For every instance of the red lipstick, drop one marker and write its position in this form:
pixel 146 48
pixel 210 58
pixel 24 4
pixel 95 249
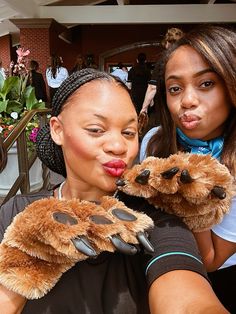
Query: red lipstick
pixel 115 167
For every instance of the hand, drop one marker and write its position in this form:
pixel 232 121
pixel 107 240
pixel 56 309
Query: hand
pixel 50 236
pixel 142 122
pixel 198 188
pixel 144 110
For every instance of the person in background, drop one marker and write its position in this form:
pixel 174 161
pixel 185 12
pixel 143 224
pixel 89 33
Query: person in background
pixel 91 139
pixel 79 63
pixel 197 100
pixel 2 70
pixel 172 35
pixel 121 72
pixel 55 74
pixel 138 77
pixel 37 81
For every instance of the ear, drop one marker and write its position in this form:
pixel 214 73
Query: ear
pixel 56 129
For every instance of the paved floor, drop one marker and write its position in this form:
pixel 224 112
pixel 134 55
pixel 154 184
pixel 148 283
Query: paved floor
pixel 1 200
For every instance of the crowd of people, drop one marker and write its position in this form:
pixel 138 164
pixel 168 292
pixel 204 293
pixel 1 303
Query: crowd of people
pixel 91 139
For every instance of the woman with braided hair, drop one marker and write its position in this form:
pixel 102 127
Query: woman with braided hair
pixel 91 146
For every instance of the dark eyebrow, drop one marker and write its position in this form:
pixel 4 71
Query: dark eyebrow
pixel 104 118
pixel 208 70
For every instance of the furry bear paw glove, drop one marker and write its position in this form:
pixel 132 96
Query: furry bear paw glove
pixel 51 235
pixel 197 188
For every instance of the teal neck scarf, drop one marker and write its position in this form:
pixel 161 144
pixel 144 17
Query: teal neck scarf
pixel 213 147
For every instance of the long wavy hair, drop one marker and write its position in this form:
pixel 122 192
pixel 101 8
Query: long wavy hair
pixel 56 63
pixel 217 46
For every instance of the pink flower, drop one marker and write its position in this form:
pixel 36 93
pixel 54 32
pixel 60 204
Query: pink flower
pixel 33 134
pixel 22 53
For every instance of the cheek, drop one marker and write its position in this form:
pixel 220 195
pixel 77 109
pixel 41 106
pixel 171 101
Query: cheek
pixel 133 152
pixel 174 110
pixel 77 147
pixel 220 108
pixel 171 104
pixel 219 116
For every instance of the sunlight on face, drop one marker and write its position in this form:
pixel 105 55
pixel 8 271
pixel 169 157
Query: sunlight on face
pixel 98 135
pixel 196 96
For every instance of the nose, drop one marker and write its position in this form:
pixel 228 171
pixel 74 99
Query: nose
pixel 115 144
pixel 189 98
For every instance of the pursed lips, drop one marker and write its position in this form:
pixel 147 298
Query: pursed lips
pixel 189 121
pixel 115 167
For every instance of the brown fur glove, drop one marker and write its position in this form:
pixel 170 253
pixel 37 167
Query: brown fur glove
pixel 198 188
pixel 51 235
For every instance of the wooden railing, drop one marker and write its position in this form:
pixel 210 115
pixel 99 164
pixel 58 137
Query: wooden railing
pixel 25 161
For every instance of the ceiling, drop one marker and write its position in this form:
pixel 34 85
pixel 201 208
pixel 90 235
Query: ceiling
pixel 76 12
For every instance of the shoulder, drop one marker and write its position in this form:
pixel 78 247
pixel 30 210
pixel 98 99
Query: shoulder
pixel 63 69
pixel 16 205
pixel 145 141
pixel 226 229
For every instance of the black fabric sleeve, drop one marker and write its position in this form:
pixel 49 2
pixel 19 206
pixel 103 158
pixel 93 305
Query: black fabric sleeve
pixel 130 75
pixel 175 248
pixel 174 244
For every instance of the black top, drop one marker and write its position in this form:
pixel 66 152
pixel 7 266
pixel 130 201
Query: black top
pixel 139 76
pixel 156 73
pixel 114 283
pixel 38 83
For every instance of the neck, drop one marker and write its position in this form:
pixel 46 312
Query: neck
pixel 66 192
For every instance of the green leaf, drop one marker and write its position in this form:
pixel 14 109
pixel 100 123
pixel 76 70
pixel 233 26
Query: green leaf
pixel 39 105
pixel 9 84
pixel 24 83
pixel 31 102
pixel 1 81
pixel 30 98
pixel 3 105
pixel 14 106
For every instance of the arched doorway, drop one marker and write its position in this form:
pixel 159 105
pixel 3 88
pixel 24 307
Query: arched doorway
pixel 129 52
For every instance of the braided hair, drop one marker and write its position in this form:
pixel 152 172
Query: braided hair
pixel 47 150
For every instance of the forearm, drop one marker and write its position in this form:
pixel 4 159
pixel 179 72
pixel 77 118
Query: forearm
pixel 183 292
pixel 149 96
pixel 206 247
pixel 214 249
pixel 11 302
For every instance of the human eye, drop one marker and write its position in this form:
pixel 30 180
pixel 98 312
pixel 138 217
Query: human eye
pixel 129 133
pixel 95 130
pixel 172 90
pixel 207 84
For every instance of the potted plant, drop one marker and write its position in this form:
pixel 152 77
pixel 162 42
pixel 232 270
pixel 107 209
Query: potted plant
pixel 17 97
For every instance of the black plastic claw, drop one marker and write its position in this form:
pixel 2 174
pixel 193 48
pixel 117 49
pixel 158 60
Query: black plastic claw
pixel 219 192
pixel 170 173
pixel 120 182
pixel 143 177
pixel 122 214
pixel 185 177
pixel 83 245
pixel 142 238
pixel 122 246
